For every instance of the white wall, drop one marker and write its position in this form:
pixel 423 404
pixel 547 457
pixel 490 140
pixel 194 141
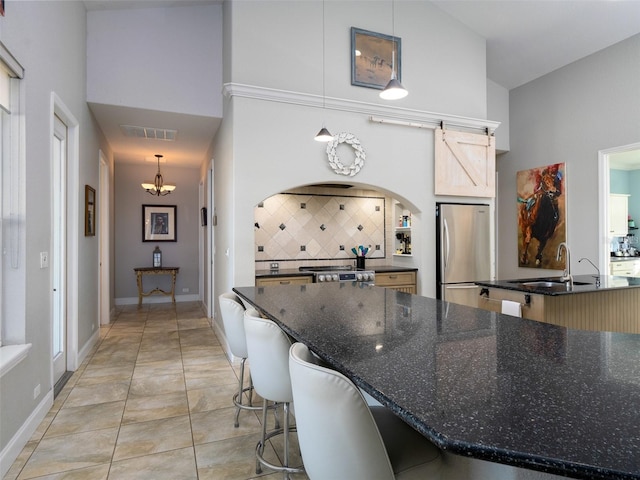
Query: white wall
pixel 266 147
pixel 48 39
pixel 498 110
pixel 166 59
pixel 568 116
pixel 132 252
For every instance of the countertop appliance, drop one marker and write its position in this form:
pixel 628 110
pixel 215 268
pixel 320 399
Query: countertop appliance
pixel 340 273
pixel 463 251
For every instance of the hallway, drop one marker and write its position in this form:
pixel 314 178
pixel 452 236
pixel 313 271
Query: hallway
pixel 153 400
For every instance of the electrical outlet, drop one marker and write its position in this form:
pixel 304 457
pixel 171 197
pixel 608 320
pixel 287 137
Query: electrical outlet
pixel 44 259
pixel 275 266
pixel 36 391
pixel 185 290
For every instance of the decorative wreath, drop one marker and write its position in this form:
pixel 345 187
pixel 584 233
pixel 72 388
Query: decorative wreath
pixel 335 162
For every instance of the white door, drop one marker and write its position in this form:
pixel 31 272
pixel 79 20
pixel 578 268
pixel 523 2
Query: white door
pixel 58 249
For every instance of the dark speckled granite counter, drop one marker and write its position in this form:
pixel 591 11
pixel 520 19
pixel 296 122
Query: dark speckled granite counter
pixel 477 383
pixel 582 284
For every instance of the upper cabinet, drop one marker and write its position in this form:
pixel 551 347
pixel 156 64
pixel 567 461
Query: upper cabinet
pixel 618 215
pixel 465 164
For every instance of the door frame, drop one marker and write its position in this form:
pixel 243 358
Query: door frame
pixel 104 281
pixel 72 200
pixel 604 254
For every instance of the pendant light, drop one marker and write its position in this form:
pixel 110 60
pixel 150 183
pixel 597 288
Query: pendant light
pixel 394 89
pixel 158 187
pixel 323 135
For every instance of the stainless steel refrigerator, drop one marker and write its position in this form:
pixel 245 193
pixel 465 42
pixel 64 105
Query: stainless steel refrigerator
pixel 463 251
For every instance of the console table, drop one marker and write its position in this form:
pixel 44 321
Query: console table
pixel 141 271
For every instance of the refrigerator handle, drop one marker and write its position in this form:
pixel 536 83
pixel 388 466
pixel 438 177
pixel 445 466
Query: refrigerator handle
pixel 446 243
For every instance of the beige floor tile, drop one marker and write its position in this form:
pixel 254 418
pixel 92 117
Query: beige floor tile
pixel 99 393
pixel 207 378
pixel 142 409
pixel 160 367
pixel 230 459
pixel 21 460
pixel 95 374
pixel 71 452
pixel 172 465
pixel 158 385
pixel 44 425
pixel 86 418
pixel 166 353
pixel 99 472
pixel 212 398
pixel 215 425
pixel 155 436
pixel 212 351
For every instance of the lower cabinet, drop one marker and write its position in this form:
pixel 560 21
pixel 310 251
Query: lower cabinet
pixel 606 310
pixel 626 268
pixel 400 281
pixel 295 280
pixel 532 309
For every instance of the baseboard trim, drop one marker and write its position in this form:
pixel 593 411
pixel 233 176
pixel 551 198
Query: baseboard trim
pixel 22 436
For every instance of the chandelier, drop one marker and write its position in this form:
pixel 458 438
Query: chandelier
pixel 158 187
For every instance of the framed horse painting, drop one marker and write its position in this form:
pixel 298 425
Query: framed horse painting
pixel 542 222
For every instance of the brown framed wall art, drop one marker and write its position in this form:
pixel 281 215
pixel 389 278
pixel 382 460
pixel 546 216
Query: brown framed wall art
pixel 89 211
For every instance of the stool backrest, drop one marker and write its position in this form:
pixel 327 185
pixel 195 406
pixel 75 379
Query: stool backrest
pixel 337 433
pixel 268 348
pixel 233 320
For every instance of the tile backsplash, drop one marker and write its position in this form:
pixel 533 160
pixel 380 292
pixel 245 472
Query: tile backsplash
pixel 309 226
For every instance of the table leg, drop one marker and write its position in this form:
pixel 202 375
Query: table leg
pixel 139 281
pixel 173 286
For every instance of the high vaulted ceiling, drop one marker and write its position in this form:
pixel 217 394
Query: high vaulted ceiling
pixel 525 40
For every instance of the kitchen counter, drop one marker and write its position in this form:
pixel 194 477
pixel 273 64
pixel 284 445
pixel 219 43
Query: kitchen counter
pixel 294 272
pixel 582 284
pixel 611 305
pixel 477 383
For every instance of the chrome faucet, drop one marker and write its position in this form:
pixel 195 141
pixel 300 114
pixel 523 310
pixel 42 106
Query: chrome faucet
pixel 566 275
pixel 594 266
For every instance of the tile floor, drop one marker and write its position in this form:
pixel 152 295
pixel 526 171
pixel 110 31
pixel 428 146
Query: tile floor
pixel 152 401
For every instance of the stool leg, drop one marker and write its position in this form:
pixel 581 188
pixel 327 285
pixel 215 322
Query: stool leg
pixel 264 435
pixel 286 438
pixel 236 423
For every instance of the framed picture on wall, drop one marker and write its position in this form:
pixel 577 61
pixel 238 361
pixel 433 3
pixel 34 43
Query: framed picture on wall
pixel 89 211
pixel 159 223
pixel 373 56
pixel 541 203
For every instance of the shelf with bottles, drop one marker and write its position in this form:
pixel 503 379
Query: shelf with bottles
pixel 402 231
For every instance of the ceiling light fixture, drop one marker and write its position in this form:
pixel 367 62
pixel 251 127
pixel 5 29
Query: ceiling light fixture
pixel 158 187
pixel 323 135
pixel 394 89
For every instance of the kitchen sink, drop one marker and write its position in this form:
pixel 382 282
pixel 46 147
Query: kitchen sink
pixel 547 283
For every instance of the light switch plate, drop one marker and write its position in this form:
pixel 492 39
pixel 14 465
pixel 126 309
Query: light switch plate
pixel 44 259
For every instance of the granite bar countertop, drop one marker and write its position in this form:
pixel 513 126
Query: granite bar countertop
pixel 477 383
pixel 581 284
pixel 294 272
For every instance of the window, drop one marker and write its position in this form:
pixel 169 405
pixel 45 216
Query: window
pixel 12 209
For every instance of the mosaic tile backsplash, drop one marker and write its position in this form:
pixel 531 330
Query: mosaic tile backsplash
pixel 292 226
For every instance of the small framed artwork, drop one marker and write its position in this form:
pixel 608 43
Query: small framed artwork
pixel 203 216
pixel 373 57
pixel 89 211
pixel 159 223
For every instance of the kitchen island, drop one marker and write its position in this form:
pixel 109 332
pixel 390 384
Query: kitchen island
pixel 477 383
pixel 599 303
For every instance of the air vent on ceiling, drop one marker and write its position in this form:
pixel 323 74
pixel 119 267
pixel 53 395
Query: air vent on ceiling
pixel 149 132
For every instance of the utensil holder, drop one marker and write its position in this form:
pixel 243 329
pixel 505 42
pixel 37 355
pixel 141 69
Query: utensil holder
pixel 360 263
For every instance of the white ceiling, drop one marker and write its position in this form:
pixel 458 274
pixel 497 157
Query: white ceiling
pixel 525 40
